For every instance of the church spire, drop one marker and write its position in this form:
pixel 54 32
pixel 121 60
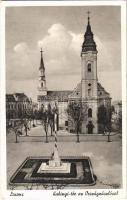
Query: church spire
pixel 41 61
pixel 42 80
pixel 89 43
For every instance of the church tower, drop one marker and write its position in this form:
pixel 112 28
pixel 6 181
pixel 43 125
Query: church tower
pixel 42 90
pixel 89 81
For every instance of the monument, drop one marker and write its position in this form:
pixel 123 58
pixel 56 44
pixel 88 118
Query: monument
pixel 55 165
pixel 54 170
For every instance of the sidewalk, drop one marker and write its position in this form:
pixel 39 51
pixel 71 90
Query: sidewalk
pixel 37 134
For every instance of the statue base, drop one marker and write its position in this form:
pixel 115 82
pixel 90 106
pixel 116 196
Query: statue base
pixel 52 168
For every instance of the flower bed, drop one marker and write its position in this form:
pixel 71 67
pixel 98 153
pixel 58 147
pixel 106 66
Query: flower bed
pixel 80 173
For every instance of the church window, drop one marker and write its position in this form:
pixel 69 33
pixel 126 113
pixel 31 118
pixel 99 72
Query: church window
pixel 41 84
pixel 89 92
pixel 89 112
pixel 89 67
pixel 89 84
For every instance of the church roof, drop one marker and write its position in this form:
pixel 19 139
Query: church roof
pixel 76 94
pixel 72 95
pixel 89 43
pixel 102 92
pixel 56 95
pixel 41 62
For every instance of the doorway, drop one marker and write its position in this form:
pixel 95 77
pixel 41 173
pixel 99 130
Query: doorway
pixel 90 127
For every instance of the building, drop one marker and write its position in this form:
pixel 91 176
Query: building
pixel 17 105
pixel 117 116
pixel 10 106
pixel 46 96
pixel 89 91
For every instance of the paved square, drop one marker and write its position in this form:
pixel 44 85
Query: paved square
pixel 105 156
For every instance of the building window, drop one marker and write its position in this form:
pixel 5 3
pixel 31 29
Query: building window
pixel 66 123
pixel 89 112
pixel 89 67
pixel 89 92
pixel 42 84
pixel 89 84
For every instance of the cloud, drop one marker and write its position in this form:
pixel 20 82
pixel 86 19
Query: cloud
pixel 60 43
pixel 22 61
pixel 76 42
pixel 57 41
pixel 21 47
pixel 62 50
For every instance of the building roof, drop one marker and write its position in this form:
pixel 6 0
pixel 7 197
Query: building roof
pixel 10 98
pixel 117 102
pixel 102 92
pixel 70 95
pixel 21 97
pixel 41 62
pixel 76 93
pixel 89 43
pixel 17 97
pixel 56 95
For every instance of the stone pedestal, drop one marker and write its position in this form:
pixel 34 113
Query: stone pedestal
pixel 46 168
pixel 54 165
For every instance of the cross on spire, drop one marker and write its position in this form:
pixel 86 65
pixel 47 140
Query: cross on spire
pixel 88 15
pixel 41 52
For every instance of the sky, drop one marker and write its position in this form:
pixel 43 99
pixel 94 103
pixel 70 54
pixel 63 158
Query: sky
pixel 59 31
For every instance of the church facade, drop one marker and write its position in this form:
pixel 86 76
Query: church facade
pixel 89 91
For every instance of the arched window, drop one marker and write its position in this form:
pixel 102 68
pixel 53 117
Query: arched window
pixel 41 84
pixel 89 92
pixel 89 112
pixel 89 67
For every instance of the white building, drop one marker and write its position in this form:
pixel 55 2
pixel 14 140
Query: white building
pixel 89 90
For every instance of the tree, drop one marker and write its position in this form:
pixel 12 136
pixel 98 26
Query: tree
pixel 17 129
pixel 26 126
pixel 77 113
pixel 119 121
pixel 36 115
pixel 47 118
pixel 104 118
pixel 50 115
pixel 44 119
pixel 45 122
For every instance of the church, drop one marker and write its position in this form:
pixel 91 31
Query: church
pixel 89 90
